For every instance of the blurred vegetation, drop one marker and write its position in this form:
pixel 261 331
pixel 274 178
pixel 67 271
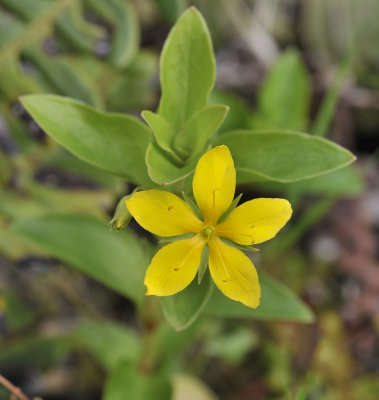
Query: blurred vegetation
pixel 306 65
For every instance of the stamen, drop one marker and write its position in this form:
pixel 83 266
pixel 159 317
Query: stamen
pixel 170 208
pixel 208 232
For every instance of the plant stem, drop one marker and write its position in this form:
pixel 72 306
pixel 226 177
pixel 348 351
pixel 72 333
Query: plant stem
pixel 16 392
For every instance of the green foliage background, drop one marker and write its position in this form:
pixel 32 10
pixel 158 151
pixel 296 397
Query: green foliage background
pixel 74 321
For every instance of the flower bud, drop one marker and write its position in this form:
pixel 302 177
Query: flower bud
pixel 122 216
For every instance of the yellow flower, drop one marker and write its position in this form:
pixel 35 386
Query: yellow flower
pixel 175 265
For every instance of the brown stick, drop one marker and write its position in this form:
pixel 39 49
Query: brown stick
pixel 16 392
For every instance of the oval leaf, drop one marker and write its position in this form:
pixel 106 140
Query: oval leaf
pixel 182 309
pixel 277 303
pixel 282 156
pixel 199 129
pixel 113 142
pixel 187 69
pixel 114 259
pixel 162 170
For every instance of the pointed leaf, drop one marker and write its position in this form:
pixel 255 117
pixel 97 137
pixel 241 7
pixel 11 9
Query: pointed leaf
pixel 187 69
pixel 162 170
pixel 164 133
pixel 282 156
pixel 182 309
pixel 114 142
pixel 85 243
pixel 199 129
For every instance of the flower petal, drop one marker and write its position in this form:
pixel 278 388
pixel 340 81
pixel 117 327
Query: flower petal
pixel 234 273
pixel 214 183
pixel 163 213
pixel 174 267
pixel 255 221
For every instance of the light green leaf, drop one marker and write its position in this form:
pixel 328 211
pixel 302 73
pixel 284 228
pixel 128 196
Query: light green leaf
pixel 182 309
pixel 187 69
pixel 114 142
pixel 164 133
pixel 126 382
pixel 112 258
pixel 277 303
pixel 110 343
pixel 199 129
pixel 283 156
pixel 284 97
pixel 162 170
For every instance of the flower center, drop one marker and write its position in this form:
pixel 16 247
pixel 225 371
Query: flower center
pixel 207 232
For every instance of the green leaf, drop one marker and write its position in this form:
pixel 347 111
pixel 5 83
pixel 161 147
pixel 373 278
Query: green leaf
pixel 282 156
pixel 126 33
pixel 230 209
pixel 164 133
pixel 110 343
pixel 113 142
pixel 187 69
pixel 114 259
pixel 284 97
pixel 182 309
pixel 199 129
pixel 61 76
pixel 126 382
pixel 277 303
pixel 239 246
pixel 203 264
pixel 122 17
pixel 162 170
pixel 194 207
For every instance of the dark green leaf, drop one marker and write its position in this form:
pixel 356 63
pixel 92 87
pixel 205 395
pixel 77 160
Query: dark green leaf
pixel 282 156
pixel 113 142
pixel 114 259
pixel 182 309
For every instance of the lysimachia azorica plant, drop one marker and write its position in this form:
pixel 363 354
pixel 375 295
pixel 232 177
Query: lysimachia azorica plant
pixel 185 170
